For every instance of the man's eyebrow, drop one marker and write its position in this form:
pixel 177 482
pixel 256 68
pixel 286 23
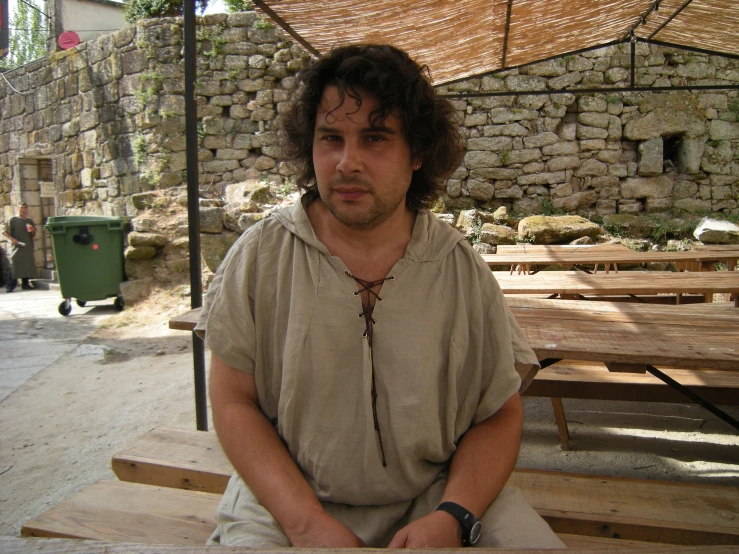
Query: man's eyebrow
pixel 364 130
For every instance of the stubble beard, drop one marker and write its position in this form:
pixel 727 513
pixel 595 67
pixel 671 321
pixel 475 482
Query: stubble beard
pixel 379 211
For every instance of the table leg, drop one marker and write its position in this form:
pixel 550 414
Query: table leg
pixel 561 418
pixel 693 396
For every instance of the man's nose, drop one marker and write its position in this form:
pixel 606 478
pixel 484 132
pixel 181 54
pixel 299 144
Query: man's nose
pixel 350 160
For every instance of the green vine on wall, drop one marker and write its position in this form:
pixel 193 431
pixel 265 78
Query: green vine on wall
pixel 213 37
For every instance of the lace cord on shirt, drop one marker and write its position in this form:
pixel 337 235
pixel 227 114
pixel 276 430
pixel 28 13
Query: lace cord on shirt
pixel 367 309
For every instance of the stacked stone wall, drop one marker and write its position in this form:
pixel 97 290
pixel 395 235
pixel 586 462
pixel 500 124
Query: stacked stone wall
pixel 109 114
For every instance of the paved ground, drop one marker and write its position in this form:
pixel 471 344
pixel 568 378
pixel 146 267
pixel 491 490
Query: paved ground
pixel 33 335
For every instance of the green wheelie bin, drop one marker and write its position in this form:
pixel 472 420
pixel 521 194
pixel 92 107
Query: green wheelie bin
pixel 89 258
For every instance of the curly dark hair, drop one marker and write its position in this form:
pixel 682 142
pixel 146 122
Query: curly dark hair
pixel 400 86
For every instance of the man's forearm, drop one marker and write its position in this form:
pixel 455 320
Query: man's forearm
pixel 261 459
pixel 485 458
pixel 264 463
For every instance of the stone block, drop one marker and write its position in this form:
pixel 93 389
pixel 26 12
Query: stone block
pixel 139 252
pixel 651 157
pixel 585 132
pixel 563 162
pixel 478 159
pixel 591 168
pixel 592 144
pixel 480 190
pixel 511 192
pixel 647 187
pixel 510 130
pixel 520 156
pixel 594 119
pixel 542 139
pixel 591 104
pixel 723 130
pixel 494 144
pixel 211 219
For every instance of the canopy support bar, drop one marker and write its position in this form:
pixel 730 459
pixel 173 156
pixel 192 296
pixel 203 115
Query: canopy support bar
pixel 673 16
pixel 588 91
pixel 507 29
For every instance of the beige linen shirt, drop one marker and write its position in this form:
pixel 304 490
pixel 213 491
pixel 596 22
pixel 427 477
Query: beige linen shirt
pixel 445 351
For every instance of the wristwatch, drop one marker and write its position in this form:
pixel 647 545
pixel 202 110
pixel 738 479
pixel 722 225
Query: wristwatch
pixel 471 526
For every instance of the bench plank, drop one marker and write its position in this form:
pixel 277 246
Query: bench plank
pixel 575 504
pixel 151 460
pixel 118 511
pixel 186 522
pixel 636 509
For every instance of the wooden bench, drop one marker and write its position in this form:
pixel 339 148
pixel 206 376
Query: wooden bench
pixel 588 380
pixel 587 511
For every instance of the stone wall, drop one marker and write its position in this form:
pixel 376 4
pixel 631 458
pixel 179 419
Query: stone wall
pixel 109 117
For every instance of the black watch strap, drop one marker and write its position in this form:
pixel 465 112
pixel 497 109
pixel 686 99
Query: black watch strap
pixel 471 526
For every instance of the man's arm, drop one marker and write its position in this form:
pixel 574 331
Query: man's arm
pixel 480 468
pixel 261 459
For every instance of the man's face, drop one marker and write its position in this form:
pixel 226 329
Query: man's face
pixel 363 172
pixel 23 212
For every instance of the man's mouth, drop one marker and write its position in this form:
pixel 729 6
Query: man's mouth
pixel 350 192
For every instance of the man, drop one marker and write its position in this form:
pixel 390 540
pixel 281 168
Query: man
pixel 21 231
pixel 363 357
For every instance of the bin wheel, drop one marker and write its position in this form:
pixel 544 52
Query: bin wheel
pixel 65 308
pixel 118 303
pixel 81 303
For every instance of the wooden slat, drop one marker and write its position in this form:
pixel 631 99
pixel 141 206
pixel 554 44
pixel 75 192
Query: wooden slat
pixel 120 511
pixel 632 508
pixel 572 379
pixel 625 282
pixel 578 545
pixel 603 256
pixel 167 457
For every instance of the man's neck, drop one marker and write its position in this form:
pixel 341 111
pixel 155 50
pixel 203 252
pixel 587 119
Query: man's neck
pixel 392 234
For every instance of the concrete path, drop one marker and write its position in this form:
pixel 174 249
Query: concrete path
pixel 33 335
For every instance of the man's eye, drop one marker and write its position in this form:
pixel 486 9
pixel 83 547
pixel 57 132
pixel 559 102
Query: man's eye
pixel 375 138
pixel 331 138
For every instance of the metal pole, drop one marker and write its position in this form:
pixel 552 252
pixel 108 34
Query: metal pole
pixel 193 209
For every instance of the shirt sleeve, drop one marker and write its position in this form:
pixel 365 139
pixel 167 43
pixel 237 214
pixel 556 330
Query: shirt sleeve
pixel 228 313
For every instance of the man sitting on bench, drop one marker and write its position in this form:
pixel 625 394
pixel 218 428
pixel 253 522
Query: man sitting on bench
pixel 363 379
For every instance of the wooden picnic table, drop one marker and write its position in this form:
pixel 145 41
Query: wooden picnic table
pixel 526 257
pixel 627 337
pixel 632 283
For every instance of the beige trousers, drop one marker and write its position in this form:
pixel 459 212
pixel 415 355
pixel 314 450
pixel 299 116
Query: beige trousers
pixel 509 522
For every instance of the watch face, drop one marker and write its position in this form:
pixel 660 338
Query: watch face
pixel 475 532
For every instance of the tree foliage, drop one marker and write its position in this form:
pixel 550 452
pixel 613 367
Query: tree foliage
pixel 27 36
pixel 148 9
pixel 238 6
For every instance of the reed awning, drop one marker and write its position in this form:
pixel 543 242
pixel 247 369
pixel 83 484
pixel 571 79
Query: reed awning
pixel 458 39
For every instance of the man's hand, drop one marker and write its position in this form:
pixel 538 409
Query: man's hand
pixel 325 532
pixel 436 530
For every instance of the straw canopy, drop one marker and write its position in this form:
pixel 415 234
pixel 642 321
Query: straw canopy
pixel 464 38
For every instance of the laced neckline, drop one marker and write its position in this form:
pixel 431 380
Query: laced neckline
pixel 369 321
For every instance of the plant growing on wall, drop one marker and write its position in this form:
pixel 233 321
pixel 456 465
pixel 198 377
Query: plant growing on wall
pixel 148 9
pixel 27 36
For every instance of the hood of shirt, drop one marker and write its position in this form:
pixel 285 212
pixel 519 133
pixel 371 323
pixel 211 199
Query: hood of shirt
pixel 431 239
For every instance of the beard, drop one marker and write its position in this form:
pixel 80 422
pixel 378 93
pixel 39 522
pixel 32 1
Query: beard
pixel 353 215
